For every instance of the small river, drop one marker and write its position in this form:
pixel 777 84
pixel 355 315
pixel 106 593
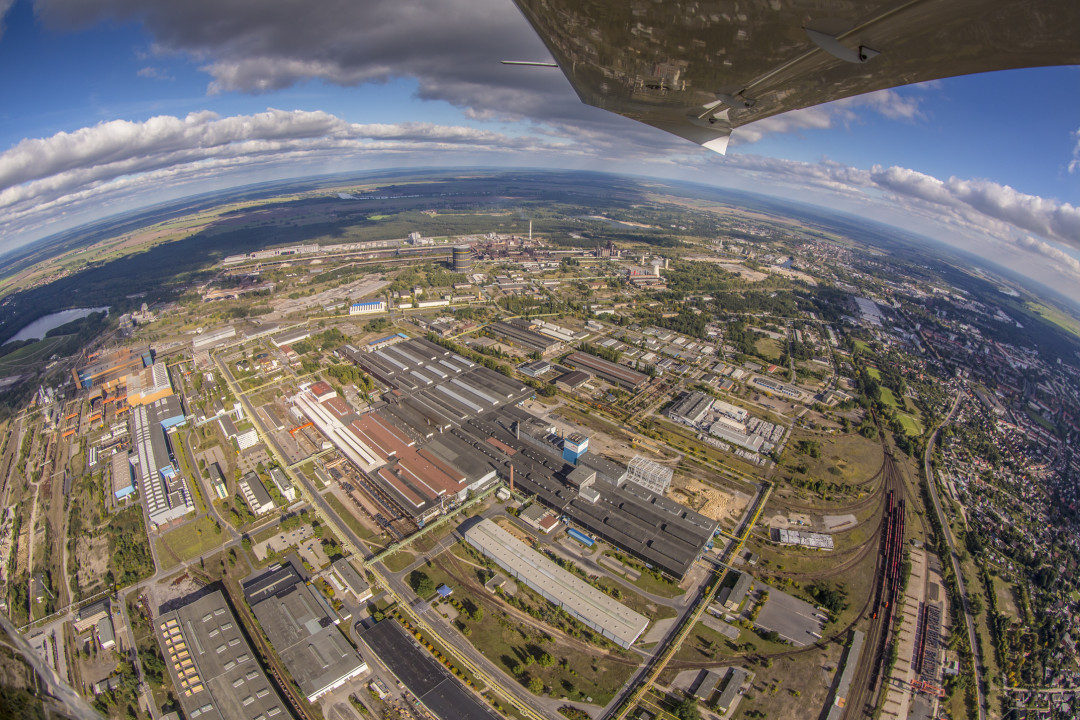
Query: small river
pixel 37 329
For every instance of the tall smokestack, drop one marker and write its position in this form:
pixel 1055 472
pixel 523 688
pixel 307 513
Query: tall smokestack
pixel 511 478
pixel 530 231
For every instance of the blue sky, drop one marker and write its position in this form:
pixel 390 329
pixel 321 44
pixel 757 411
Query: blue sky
pixel 112 105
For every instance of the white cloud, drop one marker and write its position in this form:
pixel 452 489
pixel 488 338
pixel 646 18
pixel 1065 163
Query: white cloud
pixel 5 6
pixel 154 73
pixel 41 176
pixel 887 103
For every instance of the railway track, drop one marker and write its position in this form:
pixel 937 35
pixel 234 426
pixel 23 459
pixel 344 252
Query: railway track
pixel 867 685
pixel 874 497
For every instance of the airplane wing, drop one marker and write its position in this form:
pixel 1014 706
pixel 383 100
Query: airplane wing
pixel 699 69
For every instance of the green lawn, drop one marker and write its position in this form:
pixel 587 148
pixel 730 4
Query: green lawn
pixel 911 424
pixel 399 560
pixel 861 346
pixel 511 643
pixel 188 541
pixel 888 397
pixel 874 373
pixel 768 349
pixel 646 580
pixel 347 516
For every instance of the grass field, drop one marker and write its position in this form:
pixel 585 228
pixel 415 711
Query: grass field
pixel 861 346
pixel 911 424
pixel 768 348
pixel 28 358
pixel 188 541
pixel 888 397
pixel 399 560
pixel 362 531
pixel 1006 599
pixel 593 676
pixel 845 459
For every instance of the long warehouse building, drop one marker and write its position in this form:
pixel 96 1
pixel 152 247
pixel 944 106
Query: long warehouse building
pixel 612 372
pixel 579 599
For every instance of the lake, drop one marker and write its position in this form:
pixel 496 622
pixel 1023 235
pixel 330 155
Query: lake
pixel 37 329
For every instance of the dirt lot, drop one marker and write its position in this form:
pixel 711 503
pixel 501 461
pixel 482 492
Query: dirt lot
pixel 710 502
pixel 92 556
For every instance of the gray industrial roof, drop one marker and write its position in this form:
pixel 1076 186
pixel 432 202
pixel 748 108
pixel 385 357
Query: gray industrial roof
pixel 593 607
pixel 299 625
pixel 213 668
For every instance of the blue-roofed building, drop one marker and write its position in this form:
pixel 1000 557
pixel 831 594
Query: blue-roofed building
pixel 365 307
pixel 386 341
pixel 444 591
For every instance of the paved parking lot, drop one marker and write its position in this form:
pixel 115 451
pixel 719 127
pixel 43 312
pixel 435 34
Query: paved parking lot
pixel 791 617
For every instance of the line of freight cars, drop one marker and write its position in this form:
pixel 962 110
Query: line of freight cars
pixel 888 591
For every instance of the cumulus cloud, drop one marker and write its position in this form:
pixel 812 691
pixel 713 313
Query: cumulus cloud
pixel 887 103
pixel 1046 217
pixel 451 49
pixel 39 175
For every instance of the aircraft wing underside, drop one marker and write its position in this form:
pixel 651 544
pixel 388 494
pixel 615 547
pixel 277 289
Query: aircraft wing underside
pixel 700 69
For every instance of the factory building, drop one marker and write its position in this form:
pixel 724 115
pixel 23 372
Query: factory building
pixel 110 369
pixel 728 410
pixel 283 485
pixel 212 339
pixel 402 445
pixel 612 372
pixel 813 540
pixel 290 337
pixel 462 259
pixel 691 408
pixel 366 307
pixel 214 671
pixel 534 369
pixel 255 495
pixel 652 528
pixel 776 387
pixel 164 491
pixel 344 577
pixel 577 598
pixel 525 337
pixel 301 627
pixel 123 483
pixel 732 597
pixel 571 381
pixel 217 481
pixel 722 429
pixel 149 384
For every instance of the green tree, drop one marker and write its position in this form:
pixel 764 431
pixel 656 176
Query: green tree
pixel 686 709
pixel 421 584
